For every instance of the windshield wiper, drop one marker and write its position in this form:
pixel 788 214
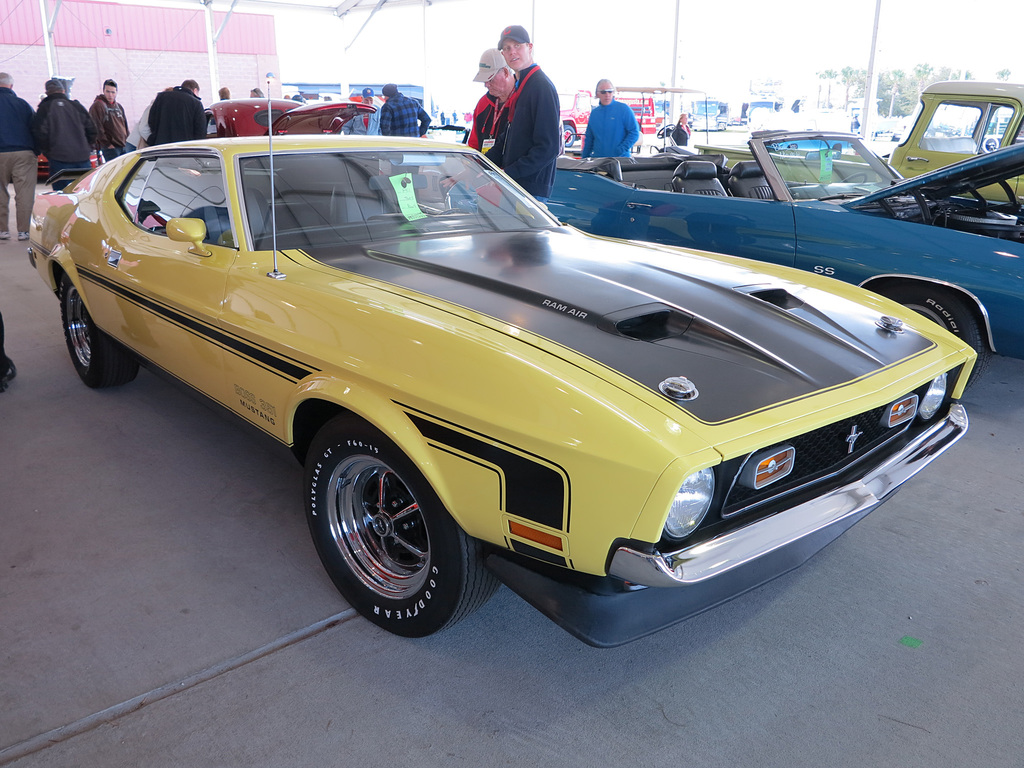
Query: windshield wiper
pixel 842 196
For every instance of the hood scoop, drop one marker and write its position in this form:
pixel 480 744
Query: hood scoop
pixel 648 322
pixel 778 297
pixel 657 321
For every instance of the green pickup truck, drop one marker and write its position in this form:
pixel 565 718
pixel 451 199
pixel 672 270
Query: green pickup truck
pixel 959 119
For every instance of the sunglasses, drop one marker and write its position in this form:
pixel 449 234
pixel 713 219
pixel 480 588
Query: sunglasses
pixel 609 91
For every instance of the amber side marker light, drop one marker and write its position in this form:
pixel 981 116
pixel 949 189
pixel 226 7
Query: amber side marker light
pixel 767 468
pixel 541 537
pixel 901 411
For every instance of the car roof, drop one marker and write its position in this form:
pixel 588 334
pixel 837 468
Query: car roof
pixel 321 141
pixel 977 88
pixel 975 172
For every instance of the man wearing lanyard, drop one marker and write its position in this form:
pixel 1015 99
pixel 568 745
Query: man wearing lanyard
pixel 495 74
pixel 528 149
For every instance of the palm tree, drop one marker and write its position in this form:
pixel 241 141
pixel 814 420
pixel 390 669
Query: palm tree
pixel 828 76
pixel 851 79
pixel 1003 74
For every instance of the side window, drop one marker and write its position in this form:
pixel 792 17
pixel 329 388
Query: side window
pixel 132 193
pixel 998 122
pixel 166 188
pixel 953 128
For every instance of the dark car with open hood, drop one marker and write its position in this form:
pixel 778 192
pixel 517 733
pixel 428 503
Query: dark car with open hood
pixel 625 435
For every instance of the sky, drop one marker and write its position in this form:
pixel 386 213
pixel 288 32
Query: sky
pixel 725 45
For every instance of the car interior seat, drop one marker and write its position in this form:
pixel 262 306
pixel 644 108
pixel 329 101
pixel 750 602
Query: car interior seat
pixel 747 180
pixel 696 177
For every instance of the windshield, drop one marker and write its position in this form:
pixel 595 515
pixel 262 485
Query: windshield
pixel 706 108
pixel 821 168
pixel 365 196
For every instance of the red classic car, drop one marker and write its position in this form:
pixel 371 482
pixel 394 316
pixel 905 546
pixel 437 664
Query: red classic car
pixel 249 117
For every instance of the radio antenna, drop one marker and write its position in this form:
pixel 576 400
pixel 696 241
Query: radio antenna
pixel 275 275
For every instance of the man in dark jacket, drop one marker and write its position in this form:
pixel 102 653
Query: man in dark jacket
pixel 400 115
pixel 7 369
pixel 17 160
pixel 177 115
pixel 63 131
pixel 111 122
pixel 533 140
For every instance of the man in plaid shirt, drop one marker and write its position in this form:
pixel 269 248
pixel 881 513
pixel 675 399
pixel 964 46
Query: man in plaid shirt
pixel 400 115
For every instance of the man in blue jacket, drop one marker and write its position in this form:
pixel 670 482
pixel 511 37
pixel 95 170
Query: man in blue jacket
pixel 17 161
pixel 612 129
pixel 400 115
pixel 533 139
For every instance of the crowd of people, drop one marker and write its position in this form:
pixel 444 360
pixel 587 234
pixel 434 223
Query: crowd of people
pixel 516 123
pixel 68 134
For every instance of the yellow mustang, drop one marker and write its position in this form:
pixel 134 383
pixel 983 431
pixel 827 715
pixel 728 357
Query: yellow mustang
pixel 625 435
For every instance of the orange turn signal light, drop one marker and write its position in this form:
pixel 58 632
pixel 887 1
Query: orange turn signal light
pixel 533 534
pixel 902 410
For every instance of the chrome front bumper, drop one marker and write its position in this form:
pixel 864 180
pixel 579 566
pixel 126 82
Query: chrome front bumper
pixel 798 532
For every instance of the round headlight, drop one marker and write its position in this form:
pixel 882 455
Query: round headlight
pixel 690 504
pixel 933 398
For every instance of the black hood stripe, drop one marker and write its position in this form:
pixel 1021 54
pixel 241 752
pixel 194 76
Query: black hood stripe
pixel 747 350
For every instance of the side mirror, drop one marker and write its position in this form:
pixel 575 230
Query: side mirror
pixel 189 231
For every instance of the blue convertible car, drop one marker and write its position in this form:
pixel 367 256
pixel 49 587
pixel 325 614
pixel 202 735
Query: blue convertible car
pixel 825 203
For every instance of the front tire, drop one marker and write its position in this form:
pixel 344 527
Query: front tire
pixel 98 359
pixel 568 135
pixel 951 312
pixel 387 542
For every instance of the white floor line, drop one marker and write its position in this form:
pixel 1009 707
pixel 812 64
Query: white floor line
pixel 95 720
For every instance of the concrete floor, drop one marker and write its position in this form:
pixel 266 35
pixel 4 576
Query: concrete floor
pixel 161 604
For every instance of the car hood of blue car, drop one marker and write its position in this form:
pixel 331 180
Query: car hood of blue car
pixel 748 340
pixel 957 179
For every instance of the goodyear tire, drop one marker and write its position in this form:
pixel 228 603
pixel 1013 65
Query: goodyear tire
pixel 387 542
pixel 951 312
pixel 99 360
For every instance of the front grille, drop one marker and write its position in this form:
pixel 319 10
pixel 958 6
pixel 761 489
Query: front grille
pixel 819 453
pixel 823 462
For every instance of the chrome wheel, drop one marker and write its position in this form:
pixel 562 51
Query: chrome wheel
pixel 77 326
pixel 378 527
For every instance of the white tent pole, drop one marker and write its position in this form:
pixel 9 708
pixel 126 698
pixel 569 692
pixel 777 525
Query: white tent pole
pixel 867 113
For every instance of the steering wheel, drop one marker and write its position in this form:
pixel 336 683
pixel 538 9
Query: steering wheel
pixel 989 145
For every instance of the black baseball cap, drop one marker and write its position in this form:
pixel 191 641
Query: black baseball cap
pixel 516 32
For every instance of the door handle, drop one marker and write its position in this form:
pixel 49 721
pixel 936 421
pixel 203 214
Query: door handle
pixel 638 205
pixel 911 158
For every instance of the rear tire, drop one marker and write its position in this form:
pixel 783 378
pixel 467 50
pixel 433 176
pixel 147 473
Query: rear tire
pixel 387 542
pixel 98 359
pixel 951 312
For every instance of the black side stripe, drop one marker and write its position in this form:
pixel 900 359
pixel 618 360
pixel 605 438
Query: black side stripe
pixel 539 554
pixel 533 490
pixel 288 367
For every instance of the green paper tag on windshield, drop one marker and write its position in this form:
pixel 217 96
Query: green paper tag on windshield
pixel 826 166
pixel 404 189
